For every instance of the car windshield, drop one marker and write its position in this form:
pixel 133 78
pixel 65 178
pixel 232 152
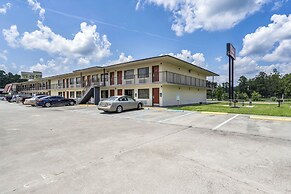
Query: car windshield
pixel 112 98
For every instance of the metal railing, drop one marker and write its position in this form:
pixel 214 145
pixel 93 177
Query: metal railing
pixel 159 77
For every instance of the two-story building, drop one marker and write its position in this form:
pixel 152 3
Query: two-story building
pixel 157 81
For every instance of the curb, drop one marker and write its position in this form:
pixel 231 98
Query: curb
pixel 257 117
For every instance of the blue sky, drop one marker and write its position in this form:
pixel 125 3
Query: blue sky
pixel 61 36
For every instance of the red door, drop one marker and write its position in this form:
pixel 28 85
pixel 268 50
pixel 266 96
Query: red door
pixel 119 77
pixel 119 92
pixel 155 73
pixel 156 96
pixel 111 92
pixel 111 78
pixel 68 95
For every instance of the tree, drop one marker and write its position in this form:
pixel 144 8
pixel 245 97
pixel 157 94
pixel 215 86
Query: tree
pixel 256 96
pixel 243 96
pixel 219 92
pixel 9 78
pixel 243 84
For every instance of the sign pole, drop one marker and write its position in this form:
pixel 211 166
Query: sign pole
pixel 230 52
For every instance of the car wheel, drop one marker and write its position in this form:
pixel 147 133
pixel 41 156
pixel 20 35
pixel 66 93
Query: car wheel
pixel 72 103
pixel 47 104
pixel 139 106
pixel 119 109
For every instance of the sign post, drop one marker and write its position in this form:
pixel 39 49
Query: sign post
pixel 230 52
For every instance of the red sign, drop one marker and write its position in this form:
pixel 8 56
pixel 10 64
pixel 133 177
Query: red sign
pixel 230 50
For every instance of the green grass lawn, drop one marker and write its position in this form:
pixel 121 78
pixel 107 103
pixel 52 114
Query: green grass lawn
pixel 257 109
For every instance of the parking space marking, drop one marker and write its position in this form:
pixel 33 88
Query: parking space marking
pixel 223 123
pixel 161 121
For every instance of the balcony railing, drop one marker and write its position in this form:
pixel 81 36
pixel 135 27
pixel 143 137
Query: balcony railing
pixel 160 77
pixel 164 77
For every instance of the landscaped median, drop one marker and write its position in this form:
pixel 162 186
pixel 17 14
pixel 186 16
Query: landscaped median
pixel 255 109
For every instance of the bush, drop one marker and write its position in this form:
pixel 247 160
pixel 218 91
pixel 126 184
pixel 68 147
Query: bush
pixel 273 99
pixel 224 96
pixel 256 96
pixel 243 96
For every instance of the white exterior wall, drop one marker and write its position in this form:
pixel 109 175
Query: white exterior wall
pixel 181 70
pixel 147 102
pixel 188 95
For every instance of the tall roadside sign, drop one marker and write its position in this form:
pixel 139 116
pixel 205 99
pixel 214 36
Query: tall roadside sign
pixel 230 52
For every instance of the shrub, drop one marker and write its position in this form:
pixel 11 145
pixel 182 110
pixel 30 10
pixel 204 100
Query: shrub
pixel 273 99
pixel 256 96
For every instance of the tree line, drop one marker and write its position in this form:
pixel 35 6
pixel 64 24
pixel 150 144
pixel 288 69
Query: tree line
pixel 263 85
pixel 7 78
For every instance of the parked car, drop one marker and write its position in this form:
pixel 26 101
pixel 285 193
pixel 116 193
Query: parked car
pixel 8 98
pixel 32 101
pixel 12 99
pixel 119 104
pixel 55 101
pixel 22 97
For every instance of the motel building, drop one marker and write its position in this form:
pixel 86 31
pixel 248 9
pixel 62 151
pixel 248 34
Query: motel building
pixel 157 81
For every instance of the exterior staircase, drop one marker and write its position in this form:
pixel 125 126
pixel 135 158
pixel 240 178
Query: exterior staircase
pixel 88 93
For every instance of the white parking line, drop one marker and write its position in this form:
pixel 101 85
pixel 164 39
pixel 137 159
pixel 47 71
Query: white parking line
pixel 223 123
pixel 161 121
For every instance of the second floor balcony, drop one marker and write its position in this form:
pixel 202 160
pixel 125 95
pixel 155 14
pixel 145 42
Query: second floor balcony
pixel 164 77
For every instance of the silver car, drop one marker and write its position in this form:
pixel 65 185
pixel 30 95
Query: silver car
pixel 119 104
pixel 32 101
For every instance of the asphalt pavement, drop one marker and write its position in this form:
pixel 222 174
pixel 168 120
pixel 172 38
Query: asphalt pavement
pixel 82 150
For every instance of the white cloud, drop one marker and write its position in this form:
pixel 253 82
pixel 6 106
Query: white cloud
pixel 218 59
pixel 265 39
pixel 4 8
pixel 209 15
pixel 3 67
pixel 278 4
pixel 249 67
pixel 267 48
pixel 87 45
pixel 37 7
pixel 50 67
pixel 11 35
pixel 186 55
pixel 3 55
pixel 122 59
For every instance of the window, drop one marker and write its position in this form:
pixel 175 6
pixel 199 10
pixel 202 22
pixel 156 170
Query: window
pixel 144 93
pixel 130 99
pixel 59 82
pixel 122 99
pixel 129 74
pixel 72 94
pixel 60 93
pixel 129 93
pixel 106 77
pixel 95 78
pixel 143 72
pixel 78 80
pixel 78 94
pixel 104 93
pixel 72 80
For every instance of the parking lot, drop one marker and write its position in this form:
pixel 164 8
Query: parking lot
pixel 78 149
